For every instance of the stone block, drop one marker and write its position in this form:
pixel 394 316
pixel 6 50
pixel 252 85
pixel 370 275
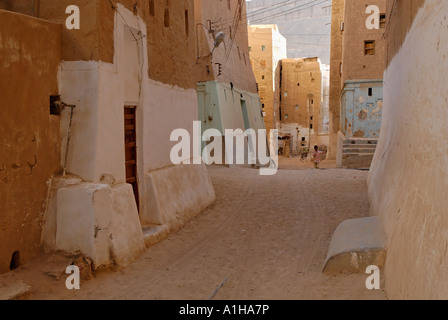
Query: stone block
pixel 356 244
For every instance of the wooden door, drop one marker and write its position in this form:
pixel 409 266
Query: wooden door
pixel 130 140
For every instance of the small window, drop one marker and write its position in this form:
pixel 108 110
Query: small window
pixel 298 84
pixel 250 49
pixel 297 108
pixel 167 18
pixel 262 106
pixel 262 77
pixel 369 48
pixel 382 21
pixel 263 48
pixel 370 92
pixel 286 93
pixel 311 126
pixel 151 8
pixel 187 24
pixel 286 116
pixel 55 109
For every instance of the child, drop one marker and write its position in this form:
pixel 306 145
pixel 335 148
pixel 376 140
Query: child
pixel 316 157
pixel 304 152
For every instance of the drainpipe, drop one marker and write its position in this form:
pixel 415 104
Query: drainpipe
pixel 60 106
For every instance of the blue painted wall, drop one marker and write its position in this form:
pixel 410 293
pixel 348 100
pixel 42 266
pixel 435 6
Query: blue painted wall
pixel 361 108
pixel 221 108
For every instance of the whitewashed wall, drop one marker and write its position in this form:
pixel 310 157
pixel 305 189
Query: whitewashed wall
pixel 409 176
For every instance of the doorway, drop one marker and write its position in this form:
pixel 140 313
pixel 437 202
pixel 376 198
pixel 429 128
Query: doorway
pixel 247 126
pixel 245 115
pixel 130 140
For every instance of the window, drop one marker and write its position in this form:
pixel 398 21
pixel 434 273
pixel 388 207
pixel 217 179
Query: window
pixel 55 110
pixel 298 84
pixel 369 48
pixel 286 116
pixel 262 77
pixel 370 92
pixel 382 21
pixel 151 7
pixel 263 48
pixel 250 49
pixel 297 108
pixel 167 18
pixel 187 24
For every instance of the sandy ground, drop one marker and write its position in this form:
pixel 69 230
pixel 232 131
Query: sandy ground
pixel 265 238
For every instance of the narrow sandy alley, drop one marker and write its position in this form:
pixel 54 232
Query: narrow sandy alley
pixel 264 238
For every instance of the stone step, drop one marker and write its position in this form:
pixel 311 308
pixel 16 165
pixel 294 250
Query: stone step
pixel 361 146
pixel 368 142
pixel 358 150
pixel 154 234
pixel 357 160
pixel 358 155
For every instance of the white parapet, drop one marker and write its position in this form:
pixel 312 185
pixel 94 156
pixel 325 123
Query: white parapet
pixel 356 244
pixel 176 194
pixel 101 222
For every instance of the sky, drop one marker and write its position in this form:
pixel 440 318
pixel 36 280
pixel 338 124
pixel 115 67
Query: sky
pixel 304 23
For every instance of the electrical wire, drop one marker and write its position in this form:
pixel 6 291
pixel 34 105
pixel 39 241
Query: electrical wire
pixel 237 18
pixel 257 12
pixel 286 12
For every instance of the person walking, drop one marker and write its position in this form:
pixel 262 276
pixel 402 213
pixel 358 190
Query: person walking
pixel 304 152
pixel 316 157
